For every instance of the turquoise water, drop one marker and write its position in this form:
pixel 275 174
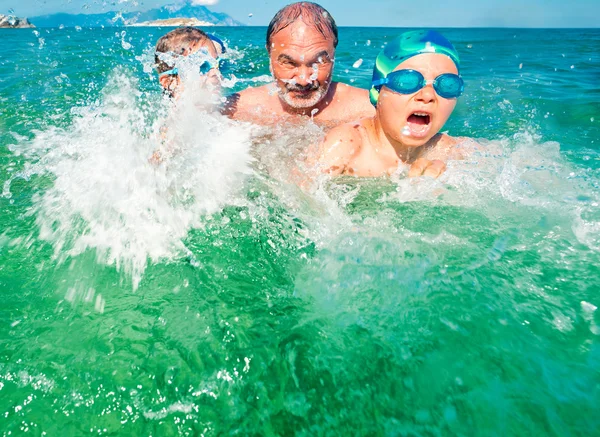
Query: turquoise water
pixel 211 297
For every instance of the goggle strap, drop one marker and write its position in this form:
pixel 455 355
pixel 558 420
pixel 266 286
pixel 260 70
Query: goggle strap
pixel 171 72
pixel 380 82
pixel 175 71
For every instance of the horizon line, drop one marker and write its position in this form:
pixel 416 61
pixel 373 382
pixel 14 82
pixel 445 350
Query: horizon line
pixel 345 26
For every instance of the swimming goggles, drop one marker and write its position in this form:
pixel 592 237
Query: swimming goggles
pixel 447 85
pixel 204 68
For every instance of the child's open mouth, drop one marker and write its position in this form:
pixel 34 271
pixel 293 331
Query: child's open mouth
pixel 418 123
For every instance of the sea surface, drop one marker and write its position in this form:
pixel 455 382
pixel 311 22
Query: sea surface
pixel 209 295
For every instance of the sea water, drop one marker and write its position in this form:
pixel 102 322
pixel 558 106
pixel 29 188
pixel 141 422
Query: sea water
pixel 209 295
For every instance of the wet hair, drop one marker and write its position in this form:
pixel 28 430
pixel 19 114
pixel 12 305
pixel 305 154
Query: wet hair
pixel 310 13
pixel 177 41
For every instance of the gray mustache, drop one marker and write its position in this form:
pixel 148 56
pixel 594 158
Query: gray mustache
pixel 308 87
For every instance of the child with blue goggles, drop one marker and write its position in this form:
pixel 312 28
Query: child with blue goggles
pixel 415 86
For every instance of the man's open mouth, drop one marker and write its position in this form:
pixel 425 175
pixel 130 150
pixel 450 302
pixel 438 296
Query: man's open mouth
pixel 419 123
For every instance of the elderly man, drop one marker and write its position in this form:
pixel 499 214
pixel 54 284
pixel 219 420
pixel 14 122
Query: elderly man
pixel 301 42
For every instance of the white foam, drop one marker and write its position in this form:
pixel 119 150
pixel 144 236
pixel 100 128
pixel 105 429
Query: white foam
pixel 521 177
pixel 107 196
pixel 177 407
pixel 233 80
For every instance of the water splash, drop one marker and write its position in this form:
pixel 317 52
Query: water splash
pixel 106 194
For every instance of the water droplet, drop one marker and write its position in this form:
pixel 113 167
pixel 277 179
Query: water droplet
pixel 520 66
pixel 572 66
pixel 405 130
pixel 592 119
pixel 358 63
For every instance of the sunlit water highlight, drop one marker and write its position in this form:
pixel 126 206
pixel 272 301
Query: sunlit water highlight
pixel 207 295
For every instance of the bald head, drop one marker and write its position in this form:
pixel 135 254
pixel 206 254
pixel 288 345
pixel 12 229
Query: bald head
pixel 311 14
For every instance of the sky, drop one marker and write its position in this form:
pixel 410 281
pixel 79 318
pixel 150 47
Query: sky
pixel 394 13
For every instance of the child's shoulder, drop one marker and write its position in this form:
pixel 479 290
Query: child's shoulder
pixel 340 146
pixel 346 132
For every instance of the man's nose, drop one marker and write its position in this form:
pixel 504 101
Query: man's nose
pixel 304 75
pixel 426 94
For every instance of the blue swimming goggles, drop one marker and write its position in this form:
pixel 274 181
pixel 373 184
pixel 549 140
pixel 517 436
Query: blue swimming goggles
pixel 447 85
pixel 205 67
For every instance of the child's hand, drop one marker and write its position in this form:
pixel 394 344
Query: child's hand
pixel 425 167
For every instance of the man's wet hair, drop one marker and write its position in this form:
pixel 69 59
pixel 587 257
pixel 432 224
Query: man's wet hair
pixel 177 41
pixel 310 13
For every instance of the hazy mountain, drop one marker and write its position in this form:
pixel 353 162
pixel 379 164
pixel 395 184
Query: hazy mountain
pixel 117 19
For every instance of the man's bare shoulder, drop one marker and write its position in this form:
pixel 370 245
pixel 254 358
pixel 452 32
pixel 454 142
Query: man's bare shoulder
pixel 253 104
pixel 355 101
pixel 353 91
pixel 256 93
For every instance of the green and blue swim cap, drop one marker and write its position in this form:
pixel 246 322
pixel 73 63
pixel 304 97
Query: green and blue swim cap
pixel 407 45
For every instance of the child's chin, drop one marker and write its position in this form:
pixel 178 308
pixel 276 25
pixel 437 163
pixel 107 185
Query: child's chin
pixel 412 140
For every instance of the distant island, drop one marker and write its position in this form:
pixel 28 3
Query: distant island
pixel 12 22
pixel 173 22
pixel 201 15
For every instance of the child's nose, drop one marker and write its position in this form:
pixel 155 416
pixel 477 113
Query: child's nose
pixel 213 76
pixel 426 94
